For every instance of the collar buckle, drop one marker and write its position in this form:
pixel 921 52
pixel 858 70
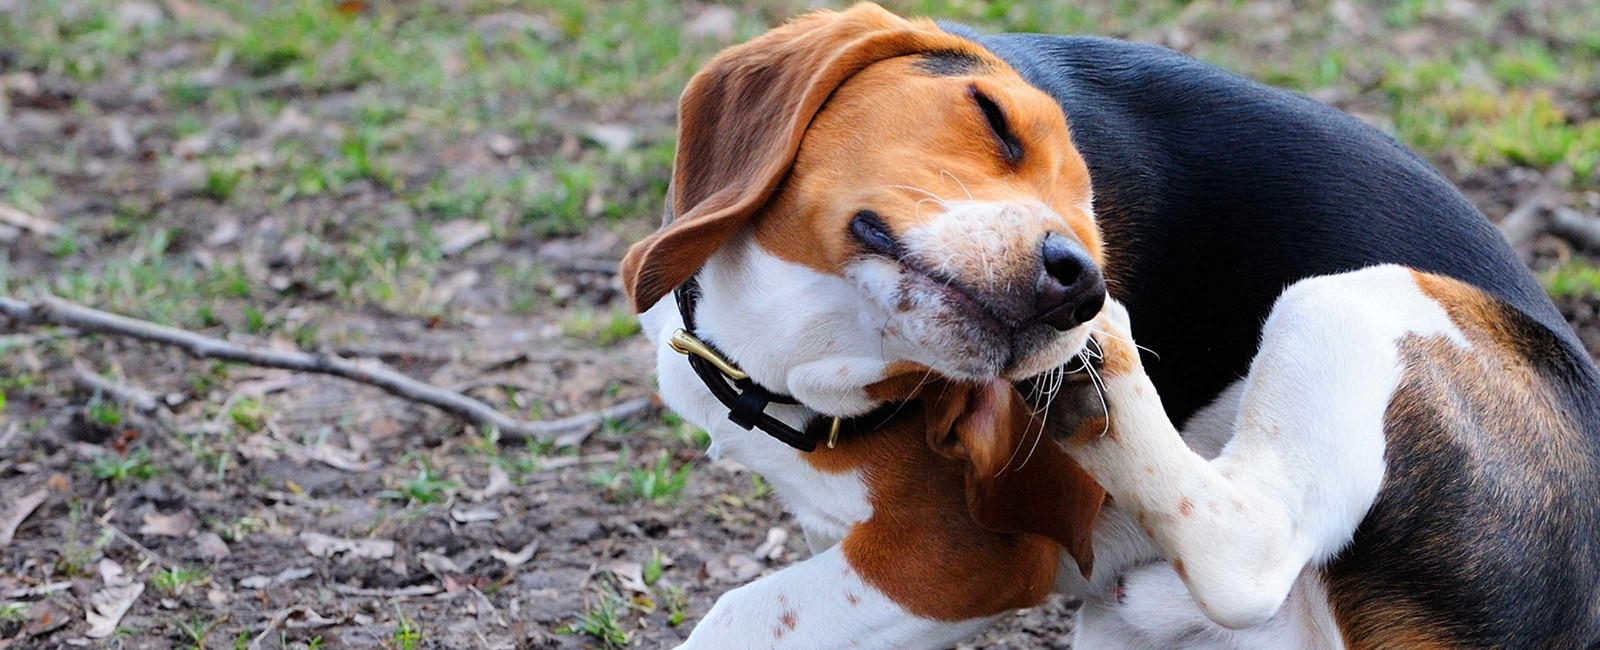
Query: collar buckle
pixel 686 344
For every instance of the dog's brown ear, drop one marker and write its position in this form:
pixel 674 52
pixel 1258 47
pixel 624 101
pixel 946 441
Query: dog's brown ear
pixel 740 122
pixel 1017 478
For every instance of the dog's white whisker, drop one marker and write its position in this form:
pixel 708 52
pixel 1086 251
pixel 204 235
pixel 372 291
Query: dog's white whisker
pixel 1099 389
pixel 1129 341
pixel 946 172
pixel 931 195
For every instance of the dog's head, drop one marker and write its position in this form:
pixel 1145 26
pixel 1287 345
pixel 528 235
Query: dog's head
pixel 921 171
pixel 868 202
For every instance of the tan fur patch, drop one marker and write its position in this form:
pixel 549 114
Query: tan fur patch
pixel 946 540
pixel 1488 407
pixel 862 153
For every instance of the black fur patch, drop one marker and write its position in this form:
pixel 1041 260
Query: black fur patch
pixel 950 63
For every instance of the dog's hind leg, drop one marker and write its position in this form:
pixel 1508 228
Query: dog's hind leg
pixel 1306 459
pixel 820 603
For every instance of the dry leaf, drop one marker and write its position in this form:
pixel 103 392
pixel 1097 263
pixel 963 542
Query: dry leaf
pixel 514 560
pixel 630 576
pixel 459 235
pixel 341 459
pixel 284 576
pixel 305 617
pixel 734 569
pixel 105 608
pixel 211 546
pixel 772 549
pixel 36 225
pixel 322 545
pixel 439 564
pixel 46 616
pixel 177 524
pixel 474 515
pixel 19 512
pixel 499 481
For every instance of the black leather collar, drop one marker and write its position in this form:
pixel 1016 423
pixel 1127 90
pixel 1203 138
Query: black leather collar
pixel 747 401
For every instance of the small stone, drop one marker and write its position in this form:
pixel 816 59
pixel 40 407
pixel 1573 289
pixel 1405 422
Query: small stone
pixel 502 145
pixel 615 138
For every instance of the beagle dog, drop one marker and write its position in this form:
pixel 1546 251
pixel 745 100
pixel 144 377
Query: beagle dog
pixel 903 273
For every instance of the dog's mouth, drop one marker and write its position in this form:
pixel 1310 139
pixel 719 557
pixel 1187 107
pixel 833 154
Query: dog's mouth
pixel 977 335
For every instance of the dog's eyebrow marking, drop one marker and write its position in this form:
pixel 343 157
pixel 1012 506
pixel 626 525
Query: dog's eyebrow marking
pixel 950 63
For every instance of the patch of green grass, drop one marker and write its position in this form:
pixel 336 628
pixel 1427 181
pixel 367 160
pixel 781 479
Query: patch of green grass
pixel 651 572
pixel 407 633
pixel 2 402
pixel 1575 278
pixel 600 620
pixel 13 612
pixel 426 487
pixel 525 286
pixel 656 482
pixel 104 413
pixel 677 604
pixel 604 328
pixel 221 182
pixel 196 629
pixel 686 433
pixel 248 414
pixel 178 579
pixel 67 243
pixel 135 466
pixel 531 459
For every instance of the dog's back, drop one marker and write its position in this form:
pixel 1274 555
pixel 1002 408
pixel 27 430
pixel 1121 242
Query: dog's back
pixel 1215 193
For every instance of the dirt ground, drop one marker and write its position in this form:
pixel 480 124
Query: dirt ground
pixel 445 188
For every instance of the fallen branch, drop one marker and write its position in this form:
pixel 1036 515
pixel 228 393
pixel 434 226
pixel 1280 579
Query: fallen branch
pixel 1523 222
pixel 1574 226
pixel 565 431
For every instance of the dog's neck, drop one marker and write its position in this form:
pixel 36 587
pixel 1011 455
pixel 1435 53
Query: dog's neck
pixel 794 330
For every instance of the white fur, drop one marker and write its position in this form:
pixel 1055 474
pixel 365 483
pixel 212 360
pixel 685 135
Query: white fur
pixel 790 327
pixel 1306 458
pixel 829 606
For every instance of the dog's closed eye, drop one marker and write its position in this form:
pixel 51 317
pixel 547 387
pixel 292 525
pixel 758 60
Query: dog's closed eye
pixel 873 234
pixel 1010 146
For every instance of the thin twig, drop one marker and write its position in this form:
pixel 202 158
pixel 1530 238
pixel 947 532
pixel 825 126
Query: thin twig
pixel 403 592
pixel 137 398
pixel 566 431
pixel 149 555
pixel 272 624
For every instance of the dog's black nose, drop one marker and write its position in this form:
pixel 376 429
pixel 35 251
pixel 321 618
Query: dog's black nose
pixel 1071 289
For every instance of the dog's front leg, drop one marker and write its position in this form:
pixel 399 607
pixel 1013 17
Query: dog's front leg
pixel 1287 490
pixel 820 603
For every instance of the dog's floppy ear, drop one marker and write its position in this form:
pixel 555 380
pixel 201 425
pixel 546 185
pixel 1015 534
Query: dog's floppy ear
pixel 740 122
pixel 1015 480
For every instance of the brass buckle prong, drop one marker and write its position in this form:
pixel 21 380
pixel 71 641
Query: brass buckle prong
pixel 833 432
pixel 686 344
